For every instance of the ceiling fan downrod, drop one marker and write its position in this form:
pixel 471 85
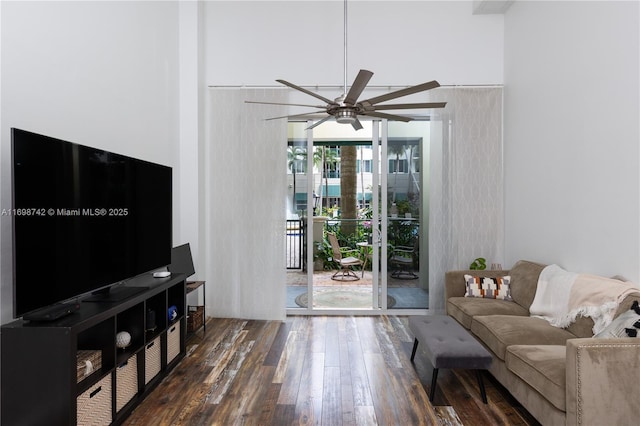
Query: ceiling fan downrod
pixel 345 49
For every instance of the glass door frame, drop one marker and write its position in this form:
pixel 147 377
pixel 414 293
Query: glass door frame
pixel 378 258
pixel 379 204
pixel 379 139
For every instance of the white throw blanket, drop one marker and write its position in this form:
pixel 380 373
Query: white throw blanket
pixel 562 296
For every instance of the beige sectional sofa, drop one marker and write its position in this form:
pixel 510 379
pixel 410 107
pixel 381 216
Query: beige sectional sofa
pixel 560 375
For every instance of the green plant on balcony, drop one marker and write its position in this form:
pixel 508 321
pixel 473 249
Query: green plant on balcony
pixel 325 253
pixel 402 233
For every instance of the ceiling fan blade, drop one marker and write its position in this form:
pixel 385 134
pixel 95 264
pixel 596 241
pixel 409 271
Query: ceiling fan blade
pixel 278 103
pixel 308 92
pixel 329 117
pixel 358 86
pixel 387 116
pixel 402 92
pixel 357 125
pixel 295 115
pixel 409 106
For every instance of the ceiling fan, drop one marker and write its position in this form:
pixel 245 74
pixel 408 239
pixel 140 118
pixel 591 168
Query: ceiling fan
pixel 346 108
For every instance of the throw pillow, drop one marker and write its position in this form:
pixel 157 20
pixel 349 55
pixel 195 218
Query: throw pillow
pixel 626 325
pixel 488 287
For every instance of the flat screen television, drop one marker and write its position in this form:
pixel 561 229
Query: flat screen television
pixel 84 219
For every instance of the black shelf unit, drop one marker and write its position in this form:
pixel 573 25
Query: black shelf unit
pixel 39 359
pixel 194 286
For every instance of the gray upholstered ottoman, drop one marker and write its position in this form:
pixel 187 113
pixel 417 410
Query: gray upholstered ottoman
pixel 448 345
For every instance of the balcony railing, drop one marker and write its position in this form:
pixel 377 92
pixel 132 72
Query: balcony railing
pixel 296 243
pixel 401 232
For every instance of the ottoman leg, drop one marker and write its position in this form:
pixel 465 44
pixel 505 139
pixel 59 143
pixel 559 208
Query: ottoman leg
pixel 434 378
pixel 483 393
pixel 415 346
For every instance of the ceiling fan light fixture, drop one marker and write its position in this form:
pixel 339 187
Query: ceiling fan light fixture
pixel 346 116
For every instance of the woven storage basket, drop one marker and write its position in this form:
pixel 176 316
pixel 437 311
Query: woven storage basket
pixel 152 360
pixel 87 363
pixel 126 382
pixel 173 341
pixel 93 407
pixel 195 318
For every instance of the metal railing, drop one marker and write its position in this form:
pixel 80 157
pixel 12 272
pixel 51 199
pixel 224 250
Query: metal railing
pixel 401 231
pixel 296 243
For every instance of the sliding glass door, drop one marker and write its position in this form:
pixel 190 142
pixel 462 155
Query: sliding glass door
pixel 363 198
pixel 407 220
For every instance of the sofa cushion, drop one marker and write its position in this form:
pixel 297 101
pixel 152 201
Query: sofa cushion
pixel 543 367
pixel 488 287
pixel 498 332
pixel 463 309
pixel 581 327
pixel 524 281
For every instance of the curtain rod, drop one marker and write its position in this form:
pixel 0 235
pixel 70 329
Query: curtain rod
pixel 337 87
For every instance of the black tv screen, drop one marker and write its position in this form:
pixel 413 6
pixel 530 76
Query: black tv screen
pixel 83 219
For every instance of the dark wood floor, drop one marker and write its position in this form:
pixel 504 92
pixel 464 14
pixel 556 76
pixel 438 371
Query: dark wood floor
pixel 318 370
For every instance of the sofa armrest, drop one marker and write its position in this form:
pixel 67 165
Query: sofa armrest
pixel 602 381
pixel 454 284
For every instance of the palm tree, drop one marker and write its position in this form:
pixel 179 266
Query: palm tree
pixel 318 159
pixel 294 155
pixel 328 156
pixel 348 188
pixel 317 163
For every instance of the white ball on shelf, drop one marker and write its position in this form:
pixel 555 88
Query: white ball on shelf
pixel 123 339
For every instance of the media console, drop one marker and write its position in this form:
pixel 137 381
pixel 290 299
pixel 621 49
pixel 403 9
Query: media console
pixel 46 381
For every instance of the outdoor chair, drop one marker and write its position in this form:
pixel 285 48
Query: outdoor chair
pixel 401 259
pixel 346 258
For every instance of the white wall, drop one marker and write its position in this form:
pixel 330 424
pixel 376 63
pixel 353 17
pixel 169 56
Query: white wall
pixel 188 222
pixel 102 74
pixel 402 42
pixel 571 135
